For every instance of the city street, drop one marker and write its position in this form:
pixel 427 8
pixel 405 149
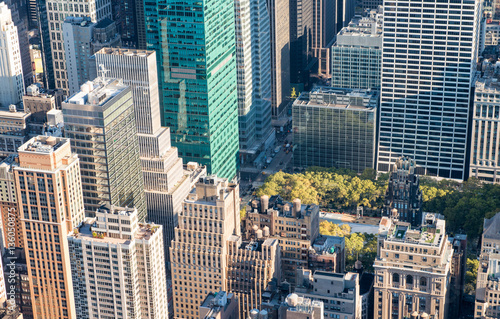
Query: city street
pixel 253 177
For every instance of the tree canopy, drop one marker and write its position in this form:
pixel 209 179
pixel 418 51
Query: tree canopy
pixel 326 187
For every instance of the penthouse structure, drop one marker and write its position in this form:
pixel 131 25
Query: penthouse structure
pixel 100 122
pixel 485 141
pixel 49 188
pixel 335 128
pixel 296 226
pixel 412 269
pixel 118 266
pixel 327 253
pixel 296 307
pixel 220 305
pixel 38 103
pixel 357 54
pixel 403 193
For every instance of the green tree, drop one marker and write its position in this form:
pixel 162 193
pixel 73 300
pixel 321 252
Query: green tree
pixel 354 244
pixel 369 173
pixel 331 229
pixel 243 213
pixel 471 275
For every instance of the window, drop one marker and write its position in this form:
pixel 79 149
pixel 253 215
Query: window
pixel 423 282
pixel 395 278
pixel 409 280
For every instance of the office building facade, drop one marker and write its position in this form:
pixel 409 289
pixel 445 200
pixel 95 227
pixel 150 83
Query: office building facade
pixel 357 53
pixel 253 61
pixel 426 81
pixel 11 71
pixel 118 266
pixel 301 25
pixel 100 122
pixel 335 128
pixel 199 252
pixel 49 189
pixel 166 182
pixel 198 80
pixel 412 269
pixel 83 38
pixel 279 12
pixel 485 141
pixel 57 12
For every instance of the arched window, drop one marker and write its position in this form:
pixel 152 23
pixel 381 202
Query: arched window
pixel 423 281
pixel 409 280
pixel 395 278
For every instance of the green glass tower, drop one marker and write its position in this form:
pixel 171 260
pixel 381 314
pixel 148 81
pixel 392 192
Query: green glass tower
pixel 195 45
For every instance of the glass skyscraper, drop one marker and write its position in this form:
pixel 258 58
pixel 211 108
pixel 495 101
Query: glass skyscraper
pixel 335 128
pixel 196 51
pixel 100 123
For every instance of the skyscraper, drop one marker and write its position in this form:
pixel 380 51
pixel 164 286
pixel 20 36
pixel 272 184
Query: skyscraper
pixel 199 253
pixel 280 54
pixel 57 12
pixel 485 143
pixel 166 184
pixel 329 16
pixel 198 79
pixel 335 128
pixel 83 38
pixel 357 53
pixel 49 188
pixel 301 24
pixel 100 122
pixel 429 61
pixel 118 267
pixel 19 11
pixel 11 69
pixel 253 61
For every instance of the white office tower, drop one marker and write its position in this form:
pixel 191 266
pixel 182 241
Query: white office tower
pixel 11 68
pixel 57 12
pixel 253 59
pixel 117 266
pixel 166 183
pixel 428 65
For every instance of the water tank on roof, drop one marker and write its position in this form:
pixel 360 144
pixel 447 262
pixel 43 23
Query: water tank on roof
pixel 254 314
pixel 258 233
pixel 266 231
pixel 263 314
pixel 292 300
pixel 264 203
pixel 297 205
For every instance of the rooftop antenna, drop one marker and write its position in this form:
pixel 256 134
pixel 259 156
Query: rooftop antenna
pixel 103 72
